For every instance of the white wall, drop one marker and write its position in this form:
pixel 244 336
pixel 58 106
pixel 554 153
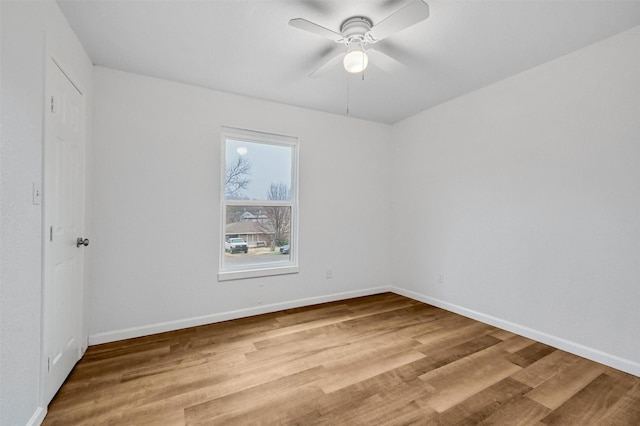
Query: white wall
pixel 526 196
pixel 156 212
pixel 24 27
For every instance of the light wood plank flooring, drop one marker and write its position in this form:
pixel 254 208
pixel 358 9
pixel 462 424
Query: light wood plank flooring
pixel 377 360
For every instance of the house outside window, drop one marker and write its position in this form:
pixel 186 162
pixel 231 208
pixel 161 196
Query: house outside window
pixel 259 199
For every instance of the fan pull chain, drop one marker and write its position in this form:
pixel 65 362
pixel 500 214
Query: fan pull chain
pixel 347 95
pixel 349 91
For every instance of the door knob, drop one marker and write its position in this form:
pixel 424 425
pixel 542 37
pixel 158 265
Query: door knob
pixel 82 242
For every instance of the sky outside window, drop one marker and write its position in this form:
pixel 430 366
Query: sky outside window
pixel 269 164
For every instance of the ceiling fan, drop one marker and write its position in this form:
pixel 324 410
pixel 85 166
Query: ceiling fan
pixel 357 32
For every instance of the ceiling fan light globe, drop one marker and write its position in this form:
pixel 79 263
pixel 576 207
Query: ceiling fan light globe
pixel 355 61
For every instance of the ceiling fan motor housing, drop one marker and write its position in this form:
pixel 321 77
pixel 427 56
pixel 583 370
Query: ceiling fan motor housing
pixel 354 30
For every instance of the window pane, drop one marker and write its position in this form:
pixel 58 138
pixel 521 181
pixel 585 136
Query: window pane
pixel 257 236
pixel 257 171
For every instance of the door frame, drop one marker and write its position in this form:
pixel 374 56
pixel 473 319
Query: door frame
pixel 52 59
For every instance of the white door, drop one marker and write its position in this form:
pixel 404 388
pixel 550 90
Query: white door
pixel 63 193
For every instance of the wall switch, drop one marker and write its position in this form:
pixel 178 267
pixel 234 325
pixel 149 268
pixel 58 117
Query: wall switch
pixel 440 278
pixel 328 273
pixel 36 194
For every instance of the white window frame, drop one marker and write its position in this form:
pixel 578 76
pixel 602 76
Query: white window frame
pixel 226 272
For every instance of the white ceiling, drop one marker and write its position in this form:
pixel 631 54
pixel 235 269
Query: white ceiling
pixel 247 47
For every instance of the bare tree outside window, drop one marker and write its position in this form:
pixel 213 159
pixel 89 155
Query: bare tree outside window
pixel 279 222
pixel 236 178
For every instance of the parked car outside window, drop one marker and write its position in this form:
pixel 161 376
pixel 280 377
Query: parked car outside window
pixel 233 245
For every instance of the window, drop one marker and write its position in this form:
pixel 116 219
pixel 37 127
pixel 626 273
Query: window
pixel 259 199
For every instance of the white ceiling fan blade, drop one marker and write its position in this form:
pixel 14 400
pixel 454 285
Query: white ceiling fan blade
pixel 385 62
pixel 335 58
pixel 414 12
pixel 309 26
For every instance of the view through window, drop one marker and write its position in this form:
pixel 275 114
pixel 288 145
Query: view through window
pixel 259 204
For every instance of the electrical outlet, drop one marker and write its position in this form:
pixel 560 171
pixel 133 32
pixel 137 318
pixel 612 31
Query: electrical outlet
pixel 440 278
pixel 329 273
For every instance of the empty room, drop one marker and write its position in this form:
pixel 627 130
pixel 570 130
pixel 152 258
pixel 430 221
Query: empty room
pixel 319 212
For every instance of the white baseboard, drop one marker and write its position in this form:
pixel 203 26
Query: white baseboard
pixel 596 355
pixel 129 333
pixel 38 417
pixel 557 342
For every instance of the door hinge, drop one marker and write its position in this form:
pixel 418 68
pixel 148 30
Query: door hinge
pixel 49 363
pixel 53 104
pixel 51 233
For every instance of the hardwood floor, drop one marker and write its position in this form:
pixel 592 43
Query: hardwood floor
pixel 377 360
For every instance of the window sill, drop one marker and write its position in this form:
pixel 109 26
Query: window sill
pixel 256 273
